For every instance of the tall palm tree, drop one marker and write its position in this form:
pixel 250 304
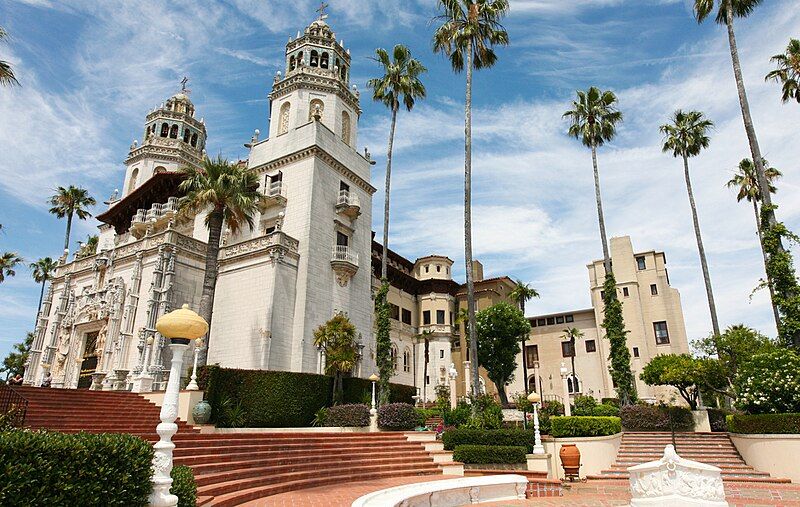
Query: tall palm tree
pixel 7 77
pixel 788 71
pixel 521 294
pixel 685 136
pixel 400 81
pixel 469 31
pixel 41 271
pixel 593 120
pixel 8 262
pixel 337 338
pixel 572 334
pixel 727 10
pixel 746 181
pixel 71 201
pixel 229 193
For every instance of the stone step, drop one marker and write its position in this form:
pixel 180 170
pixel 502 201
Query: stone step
pixel 182 450
pixel 725 478
pixel 223 460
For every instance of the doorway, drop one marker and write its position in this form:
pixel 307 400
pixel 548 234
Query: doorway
pixel 89 363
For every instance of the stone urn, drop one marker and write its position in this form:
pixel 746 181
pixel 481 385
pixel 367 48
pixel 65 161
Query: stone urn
pixel 201 412
pixel 570 459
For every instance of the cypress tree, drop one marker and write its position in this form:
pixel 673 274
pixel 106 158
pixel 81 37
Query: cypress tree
pixel 619 355
pixel 383 344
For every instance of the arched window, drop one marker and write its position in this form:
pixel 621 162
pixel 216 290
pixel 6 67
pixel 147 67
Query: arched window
pixel 532 386
pixel 283 124
pixel 291 63
pixel 407 360
pixel 314 58
pixel 343 72
pixel 300 61
pixel 314 106
pixel 194 140
pixel 346 127
pixel 393 353
pixel 323 62
pixel 173 132
pixel 186 135
pixel 164 130
pixel 132 181
pixel 160 169
pixel 573 384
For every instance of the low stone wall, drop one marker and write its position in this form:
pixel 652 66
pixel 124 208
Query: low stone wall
pixel 775 454
pixel 597 453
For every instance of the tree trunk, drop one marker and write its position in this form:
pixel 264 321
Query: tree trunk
pixel 473 340
pixel 600 219
pixel 215 220
pixel 524 352
pixel 39 308
pixel 385 254
pixel 501 392
pixel 425 373
pixel 69 230
pixel 775 312
pixel 712 307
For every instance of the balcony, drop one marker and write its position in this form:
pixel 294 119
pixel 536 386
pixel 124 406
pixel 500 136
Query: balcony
pixel 157 216
pixel 347 204
pixel 273 196
pixel 344 262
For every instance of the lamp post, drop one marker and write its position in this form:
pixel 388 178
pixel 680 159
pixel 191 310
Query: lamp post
pixel 564 372
pixel 193 380
pixel 373 378
pixel 453 374
pixel 181 327
pixel 535 399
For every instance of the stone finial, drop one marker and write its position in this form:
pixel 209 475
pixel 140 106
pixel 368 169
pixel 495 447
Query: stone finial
pixel 279 221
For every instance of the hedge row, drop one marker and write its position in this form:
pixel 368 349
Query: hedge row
pixel 397 416
pixel 764 423
pixel 78 469
pixel 482 454
pixel 511 437
pixel 351 415
pixel 584 426
pixel 645 417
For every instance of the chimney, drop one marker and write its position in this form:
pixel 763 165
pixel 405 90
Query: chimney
pixel 477 271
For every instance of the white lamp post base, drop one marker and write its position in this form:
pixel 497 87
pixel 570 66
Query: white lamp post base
pixel 193 380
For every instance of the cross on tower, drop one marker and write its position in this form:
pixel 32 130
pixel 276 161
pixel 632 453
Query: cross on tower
pixel 321 10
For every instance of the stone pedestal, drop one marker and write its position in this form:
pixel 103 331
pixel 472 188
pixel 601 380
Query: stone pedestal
pixel 121 380
pixel 701 422
pixel 142 384
pixel 540 463
pixel 673 481
pixel 373 422
pixel 97 381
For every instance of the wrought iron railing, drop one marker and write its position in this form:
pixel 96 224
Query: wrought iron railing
pixel 13 407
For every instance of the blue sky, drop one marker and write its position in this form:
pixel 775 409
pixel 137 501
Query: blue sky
pixel 91 70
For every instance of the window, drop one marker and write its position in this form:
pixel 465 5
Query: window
pixel 344 186
pixel 164 130
pixel 346 127
pixel 531 355
pixel 427 268
pixel 186 135
pixel 342 239
pixel 653 289
pixel 406 316
pixel 393 353
pixel 451 318
pixel 323 61
pixel 625 292
pixel 134 178
pixel 407 361
pixel 540 322
pixel 567 350
pixel 569 318
pixel 394 311
pixel 591 346
pixel 441 354
pixel 194 140
pixel 428 379
pixel 532 384
pixel 283 123
pixel 662 335
pixel 560 319
pixel 573 384
pixel 438 268
pixel 440 317
pixel 640 263
pixel 173 132
pixel 551 321
pixel 533 322
pixel 426 318
pixel 292 64
pixel 635 351
pixel 314 58
pixel 602 294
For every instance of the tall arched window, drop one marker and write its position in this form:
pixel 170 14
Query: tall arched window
pixel 194 140
pixel 300 62
pixel 283 124
pixel 313 106
pixel 407 360
pixel 323 62
pixel 291 63
pixel 346 127
pixel 343 72
pixel 186 135
pixel 164 130
pixel 173 132
pixel 132 181
pixel 532 387
pixel 393 353
pixel 314 58
pixel 573 384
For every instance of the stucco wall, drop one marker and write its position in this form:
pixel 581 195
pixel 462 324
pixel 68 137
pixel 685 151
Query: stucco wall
pixel 597 453
pixel 775 454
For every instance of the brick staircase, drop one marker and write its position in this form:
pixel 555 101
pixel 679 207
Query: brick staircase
pixel 234 468
pixel 710 448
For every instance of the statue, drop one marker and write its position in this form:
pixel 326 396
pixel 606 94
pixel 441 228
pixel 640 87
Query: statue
pixel 101 339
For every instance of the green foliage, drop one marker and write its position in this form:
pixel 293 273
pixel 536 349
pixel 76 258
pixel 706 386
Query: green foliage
pixel 184 486
pixel 231 414
pixel 764 423
pixel 770 383
pixel 397 416
pixel 8 262
pixel 616 334
pixel 463 29
pixel 584 405
pixel 383 344
pixel 644 417
pixel 74 469
pixel 687 134
pixel 320 416
pixel 509 437
pixel 359 390
pixel 606 410
pixel 337 338
pixel 400 78
pixel 14 362
pixel 352 415
pixel 486 414
pixel 787 71
pixel 458 416
pixel 499 329
pixel 685 373
pixel 717 419
pixel 491 454
pixel 442 396
pixel 780 269
pixel 594 117
pixel 423 414
pixel 584 426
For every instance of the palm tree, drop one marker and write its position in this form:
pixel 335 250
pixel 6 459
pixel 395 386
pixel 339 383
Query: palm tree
pixel 71 201
pixel 522 293
pixel 573 334
pixel 87 248
pixel 400 80
pixel 8 261
pixel 469 31
pixel 7 77
pixel 685 137
pixel 229 193
pixel 788 71
pixel 593 120
pixel 337 338
pixel 746 181
pixel 726 12
pixel 41 271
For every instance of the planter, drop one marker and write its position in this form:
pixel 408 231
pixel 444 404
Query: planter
pixel 201 412
pixel 570 459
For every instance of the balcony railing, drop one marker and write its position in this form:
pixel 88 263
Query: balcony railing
pixel 158 212
pixel 274 188
pixel 343 253
pixel 348 204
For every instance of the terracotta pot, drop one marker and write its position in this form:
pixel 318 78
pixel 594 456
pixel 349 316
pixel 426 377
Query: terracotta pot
pixel 570 459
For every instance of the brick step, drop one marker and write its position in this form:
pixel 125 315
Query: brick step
pixel 222 460
pixel 714 461
pixel 306 436
pixel 725 478
pixel 200 441
pixel 682 453
pixel 529 474
pixel 724 466
pixel 728 470
pixel 105 428
pixel 182 450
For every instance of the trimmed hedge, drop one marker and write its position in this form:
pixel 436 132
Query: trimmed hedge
pixel 357 390
pixel 584 426
pixel 716 419
pixel 764 423
pixel 353 415
pixel 397 416
pixel 184 486
pixel 464 436
pixel 644 417
pixel 74 469
pixel 606 410
pixel 482 454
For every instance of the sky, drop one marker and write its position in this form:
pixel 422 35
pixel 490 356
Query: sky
pixel 91 70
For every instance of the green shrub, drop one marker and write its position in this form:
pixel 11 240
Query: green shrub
pixel 423 414
pixel 610 401
pixel 351 415
pixel 502 454
pixel 488 414
pixel 764 423
pixel 585 426
pixel 770 383
pixel 643 417
pixel 358 390
pixel 74 469
pixel 466 436
pixel 716 419
pixel 584 405
pixel 606 410
pixel 184 486
pixel 458 416
pixel 320 416
pixel 397 416
pixel 552 407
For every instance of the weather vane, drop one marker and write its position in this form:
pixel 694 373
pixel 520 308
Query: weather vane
pixel 183 85
pixel 321 11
